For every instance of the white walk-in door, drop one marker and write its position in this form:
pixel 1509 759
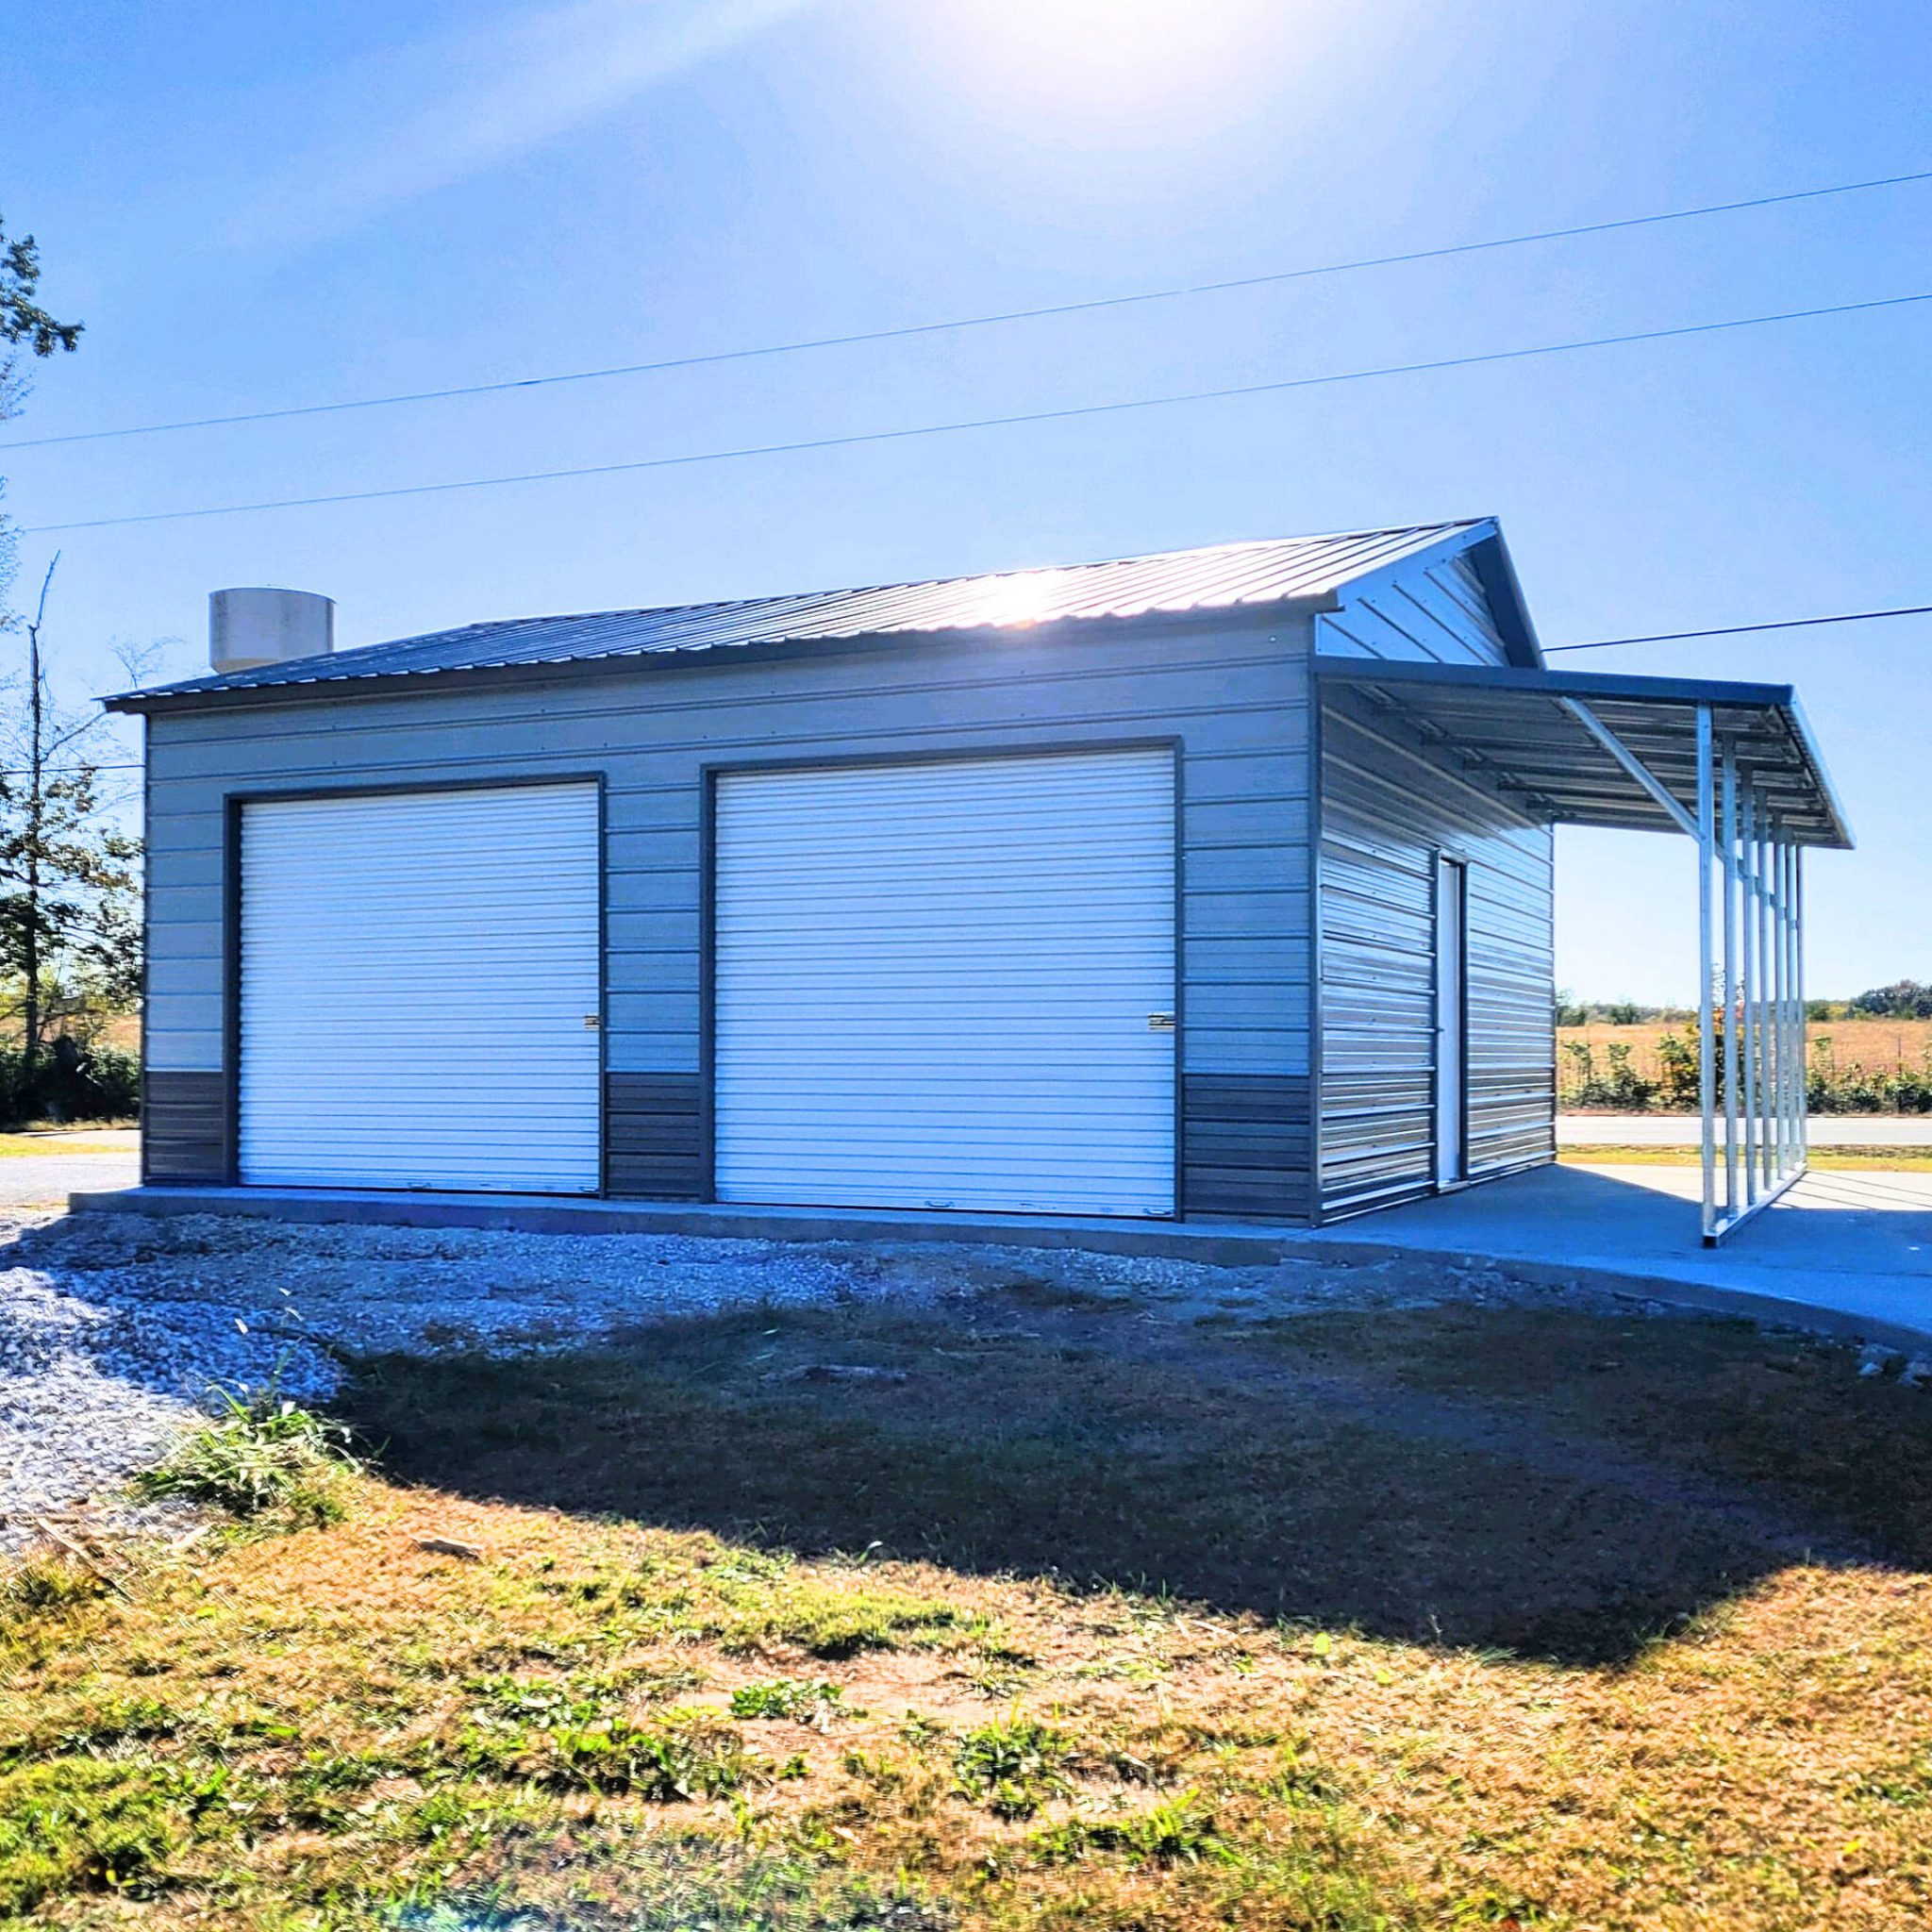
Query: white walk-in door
pixel 420 990
pixel 1451 1027
pixel 948 984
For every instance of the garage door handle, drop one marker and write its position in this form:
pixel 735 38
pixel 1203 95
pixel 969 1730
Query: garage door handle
pixel 1160 1022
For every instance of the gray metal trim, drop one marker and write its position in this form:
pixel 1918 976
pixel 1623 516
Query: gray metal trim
pixel 1547 683
pixel 1177 753
pixel 148 908
pixel 183 1133
pixel 1317 830
pixel 1496 570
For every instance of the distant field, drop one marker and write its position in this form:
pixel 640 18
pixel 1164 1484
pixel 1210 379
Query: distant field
pixel 1818 1160
pixel 1880 1046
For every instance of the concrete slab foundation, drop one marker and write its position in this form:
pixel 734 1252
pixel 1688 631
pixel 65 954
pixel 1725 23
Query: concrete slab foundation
pixel 1847 1254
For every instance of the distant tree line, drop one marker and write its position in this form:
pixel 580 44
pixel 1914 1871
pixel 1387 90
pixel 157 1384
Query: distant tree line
pixel 1571 1012
pixel 1903 999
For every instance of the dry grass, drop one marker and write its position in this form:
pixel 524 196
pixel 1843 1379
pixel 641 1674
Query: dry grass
pixel 1880 1046
pixel 1825 1159
pixel 44 1142
pixel 1420 1619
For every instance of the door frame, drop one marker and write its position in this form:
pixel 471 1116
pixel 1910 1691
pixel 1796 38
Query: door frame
pixel 712 771
pixel 233 804
pixel 1449 977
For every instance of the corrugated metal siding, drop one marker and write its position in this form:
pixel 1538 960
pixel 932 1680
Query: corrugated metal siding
pixel 934 983
pixel 1389 802
pixel 1223 576
pixel 1236 697
pixel 1439 614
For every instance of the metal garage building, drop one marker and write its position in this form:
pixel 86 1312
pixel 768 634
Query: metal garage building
pixel 1212 884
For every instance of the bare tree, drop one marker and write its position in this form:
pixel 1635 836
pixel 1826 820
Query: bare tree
pixel 68 875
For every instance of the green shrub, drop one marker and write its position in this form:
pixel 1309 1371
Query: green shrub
pixel 1623 1087
pixel 69 1082
pixel 260 1456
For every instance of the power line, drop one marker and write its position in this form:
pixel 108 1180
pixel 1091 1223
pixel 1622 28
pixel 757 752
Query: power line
pixel 1733 631
pixel 1068 414
pixel 1662 637
pixel 998 317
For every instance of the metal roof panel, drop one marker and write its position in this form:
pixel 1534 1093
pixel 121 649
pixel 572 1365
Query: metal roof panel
pixel 1512 718
pixel 1222 577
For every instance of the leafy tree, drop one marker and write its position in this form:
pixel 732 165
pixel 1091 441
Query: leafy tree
pixel 23 318
pixel 1903 999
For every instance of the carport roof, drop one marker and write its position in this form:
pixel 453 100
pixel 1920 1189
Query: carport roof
pixel 1522 728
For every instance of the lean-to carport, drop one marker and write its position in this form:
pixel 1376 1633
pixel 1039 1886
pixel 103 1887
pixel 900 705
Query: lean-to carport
pixel 1732 766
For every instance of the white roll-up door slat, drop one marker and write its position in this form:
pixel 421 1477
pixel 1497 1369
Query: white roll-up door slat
pixel 417 969
pixel 933 985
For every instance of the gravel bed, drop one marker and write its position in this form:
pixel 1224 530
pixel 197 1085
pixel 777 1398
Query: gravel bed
pixel 114 1329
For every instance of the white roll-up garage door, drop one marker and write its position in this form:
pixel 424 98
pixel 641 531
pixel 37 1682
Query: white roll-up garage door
pixel 948 985
pixel 420 990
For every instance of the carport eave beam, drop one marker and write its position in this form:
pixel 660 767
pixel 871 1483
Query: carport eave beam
pixel 1633 764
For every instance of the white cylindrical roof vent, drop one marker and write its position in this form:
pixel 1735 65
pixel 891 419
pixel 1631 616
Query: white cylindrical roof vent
pixel 252 627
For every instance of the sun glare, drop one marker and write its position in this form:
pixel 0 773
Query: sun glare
pixel 1103 59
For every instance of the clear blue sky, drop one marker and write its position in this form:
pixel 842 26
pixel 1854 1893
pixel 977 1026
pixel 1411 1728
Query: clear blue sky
pixel 273 203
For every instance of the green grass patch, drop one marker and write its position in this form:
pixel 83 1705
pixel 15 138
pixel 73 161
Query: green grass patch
pixel 259 1456
pixel 83 1824
pixel 790 1700
pixel 1177 1831
pixel 1015 1765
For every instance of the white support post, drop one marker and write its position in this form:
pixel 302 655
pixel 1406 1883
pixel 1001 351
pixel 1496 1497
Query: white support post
pixel 1748 909
pixel 1780 1012
pixel 1794 1018
pixel 1707 1043
pixel 1764 1003
pixel 1797 952
pixel 1775 1009
pixel 1766 1069
pixel 1730 982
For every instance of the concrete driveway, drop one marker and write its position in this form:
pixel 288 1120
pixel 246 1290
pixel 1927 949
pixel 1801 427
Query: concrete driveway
pixel 1855 1248
pixel 85 1159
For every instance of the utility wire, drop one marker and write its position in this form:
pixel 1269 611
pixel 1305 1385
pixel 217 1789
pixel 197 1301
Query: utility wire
pixel 1029 416
pixel 1733 631
pixel 998 317
pixel 1662 637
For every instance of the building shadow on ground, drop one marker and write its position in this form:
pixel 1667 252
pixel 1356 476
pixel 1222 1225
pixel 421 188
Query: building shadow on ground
pixel 1553 1482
